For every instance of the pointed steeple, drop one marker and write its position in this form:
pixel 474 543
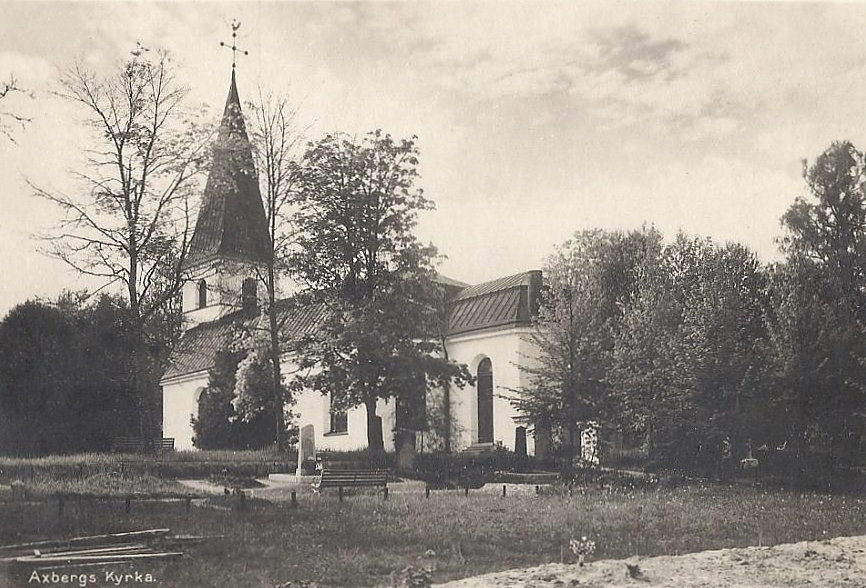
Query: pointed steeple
pixel 231 222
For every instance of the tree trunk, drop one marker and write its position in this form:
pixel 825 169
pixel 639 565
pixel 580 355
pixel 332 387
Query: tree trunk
pixel 375 441
pixel 279 401
pixel 446 404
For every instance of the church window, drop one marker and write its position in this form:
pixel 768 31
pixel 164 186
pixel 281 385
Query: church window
pixel 202 294
pixel 484 383
pixel 249 298
pixel 339 417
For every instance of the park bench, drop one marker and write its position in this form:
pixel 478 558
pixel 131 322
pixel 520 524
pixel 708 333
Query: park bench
pixel 137 445
pixel 331 478
pixel 128 445
pixel 164 444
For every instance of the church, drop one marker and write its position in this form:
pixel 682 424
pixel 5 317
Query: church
pixel 489 325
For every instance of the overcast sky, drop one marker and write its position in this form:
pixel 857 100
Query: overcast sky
pixel 534 119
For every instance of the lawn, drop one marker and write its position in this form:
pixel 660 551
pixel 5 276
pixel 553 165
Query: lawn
pixel 361 541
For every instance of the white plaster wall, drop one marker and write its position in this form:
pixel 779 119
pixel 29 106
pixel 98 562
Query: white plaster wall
pixel 505 348
pixel 179 404
pixel 224 283
pixel 312 408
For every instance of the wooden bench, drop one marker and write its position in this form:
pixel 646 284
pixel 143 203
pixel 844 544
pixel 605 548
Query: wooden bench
pixel 164 444
pixel 128 445
pixel 137 445
pixel 340 479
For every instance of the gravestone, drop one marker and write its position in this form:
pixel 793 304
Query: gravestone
pixel 404 444
pixel 520 441
pixel 589 443
pixel 306 450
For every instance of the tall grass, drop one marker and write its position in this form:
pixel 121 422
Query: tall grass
pixel 362 540
pixel 170 464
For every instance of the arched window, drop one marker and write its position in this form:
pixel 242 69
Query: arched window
pixel 484 384
pixel 249 298
pixel 339 418
pixel 202 294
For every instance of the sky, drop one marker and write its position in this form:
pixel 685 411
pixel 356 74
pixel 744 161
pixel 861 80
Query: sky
pixel 534 119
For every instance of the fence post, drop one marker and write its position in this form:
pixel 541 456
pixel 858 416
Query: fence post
pixel 340 492
pixel 294 499
pixel 503 490
pixel 385 493
pixel 427 491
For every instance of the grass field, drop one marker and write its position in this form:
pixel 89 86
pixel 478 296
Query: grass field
pixel 361 541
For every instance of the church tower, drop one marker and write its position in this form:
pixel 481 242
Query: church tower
pixel 230 247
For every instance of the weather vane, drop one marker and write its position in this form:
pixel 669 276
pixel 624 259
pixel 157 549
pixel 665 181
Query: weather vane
pixel 234 46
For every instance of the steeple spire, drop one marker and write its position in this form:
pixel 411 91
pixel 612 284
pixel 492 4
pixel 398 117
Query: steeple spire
pixel 231 222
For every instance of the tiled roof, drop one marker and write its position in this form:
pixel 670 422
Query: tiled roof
pixel 503 302
pixel 231 222
pixel 199 345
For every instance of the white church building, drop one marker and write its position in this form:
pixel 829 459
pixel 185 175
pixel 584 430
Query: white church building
pixel 489 325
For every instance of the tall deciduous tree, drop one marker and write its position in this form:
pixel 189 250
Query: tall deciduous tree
pixel 276 140
pixel 128 222
pixel 356 255
pixel 829 226
pixel 587 281
pixel 63 376
pixel 826 237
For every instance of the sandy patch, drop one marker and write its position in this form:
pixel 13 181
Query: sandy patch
pixel 839 562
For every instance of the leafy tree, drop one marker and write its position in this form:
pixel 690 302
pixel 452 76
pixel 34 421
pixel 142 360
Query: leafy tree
pixel 129 223
pixel 646 372
pixel 228 415
pixel 814 351
pixel 825 242
pixel 720 291
pixel 355 255
pixel 688 356
pixel 586 282
pixel 829 227
pixel 213 425
pixel 63 384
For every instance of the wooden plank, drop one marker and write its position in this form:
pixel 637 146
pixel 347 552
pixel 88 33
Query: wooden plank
pixel 110 538
pixel 105 558
pixel 115 549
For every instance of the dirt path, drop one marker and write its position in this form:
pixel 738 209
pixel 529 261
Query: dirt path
pixel 837 563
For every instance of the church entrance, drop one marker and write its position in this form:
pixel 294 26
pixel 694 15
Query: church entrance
pixel 485 401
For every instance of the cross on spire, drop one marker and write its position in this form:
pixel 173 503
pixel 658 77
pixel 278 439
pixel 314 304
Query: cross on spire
pixel 234 46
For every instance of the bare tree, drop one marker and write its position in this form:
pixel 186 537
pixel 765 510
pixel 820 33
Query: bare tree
pixel 129 223
pixel 277 139
pixel 8 117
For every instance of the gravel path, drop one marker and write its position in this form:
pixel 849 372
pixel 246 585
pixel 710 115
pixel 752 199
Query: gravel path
pixel 836 563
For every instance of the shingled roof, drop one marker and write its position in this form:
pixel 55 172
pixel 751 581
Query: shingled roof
pixel 508 301
pixel 231 222
pixel 198 346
